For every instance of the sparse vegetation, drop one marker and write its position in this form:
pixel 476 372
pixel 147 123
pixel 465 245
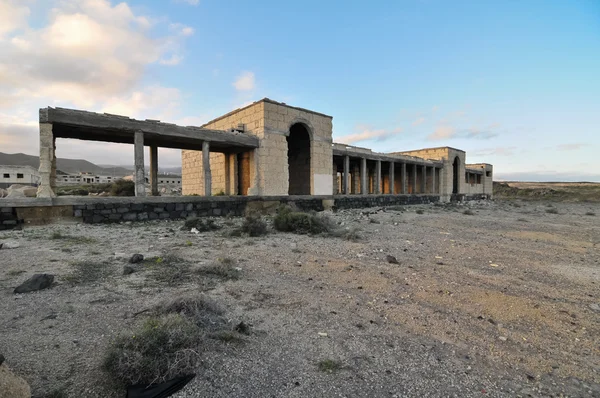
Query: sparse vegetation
pixel 223 269
pixel 469 212
pixel 170 270
pixel 254 226
pixel 299 222
pixel 163 348
pixel 329 365
pixel 522 220
pixel 227 336
pixel 554 191
pixel 420 211
pixel 552 210
pixel 122 188
pixel 85 272
pixel 202 312
pixel 57 235
pixel 590 213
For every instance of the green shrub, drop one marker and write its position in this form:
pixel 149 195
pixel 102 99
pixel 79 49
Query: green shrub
pixel 298 222
pixel 420 211
pixel 122 188
pixel 163 348
pixel 329 365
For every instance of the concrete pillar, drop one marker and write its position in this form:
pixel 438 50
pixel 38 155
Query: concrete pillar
pixel 47 168
pixel 154 170
pixel 403 178
pixel 140 174
pixel 231 174
pixel 364 187
pixel 433 181
pixel 391 178
pixel 355 179
pixel 334 179
pixel 414 180
pixel 424 179
pixel 206 168
pixel 346 176
pixel 378 177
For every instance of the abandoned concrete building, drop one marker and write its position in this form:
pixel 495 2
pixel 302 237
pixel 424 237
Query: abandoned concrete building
pixel 267 148
pixel 297 156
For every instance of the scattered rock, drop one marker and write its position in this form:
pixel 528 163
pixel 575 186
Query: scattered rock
pixel 9 245
pixel 242 328
pixel 322 334
pixel 11 385
pixel 36 282
pixel 1 359
pixel 136 258
pixel 391 259
pixel 595 307
pixel 17 191
pixel 128 270
pixel 502 338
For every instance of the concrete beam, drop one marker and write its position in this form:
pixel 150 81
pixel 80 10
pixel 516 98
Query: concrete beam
pixel 154 170
pixel 140 175
pixel 206 168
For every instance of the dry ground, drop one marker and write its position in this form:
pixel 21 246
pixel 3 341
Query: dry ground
pixel 500 303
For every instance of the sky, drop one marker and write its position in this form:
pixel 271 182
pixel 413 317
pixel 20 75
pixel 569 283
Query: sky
pixel 513 83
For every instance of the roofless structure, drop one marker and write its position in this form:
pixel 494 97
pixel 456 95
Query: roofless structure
pixel 267 148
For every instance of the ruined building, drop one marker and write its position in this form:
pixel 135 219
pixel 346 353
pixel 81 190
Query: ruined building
pixel 297 156
pixel 267 148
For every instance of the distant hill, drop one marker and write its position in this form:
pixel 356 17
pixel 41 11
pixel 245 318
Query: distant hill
pixel 73 166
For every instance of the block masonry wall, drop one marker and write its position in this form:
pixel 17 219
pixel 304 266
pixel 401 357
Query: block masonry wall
pixel 270 122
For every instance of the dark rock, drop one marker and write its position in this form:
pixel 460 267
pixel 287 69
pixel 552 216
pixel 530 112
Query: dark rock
pixel 1 359
pixel 128 269
pixel 136 258
pixel 242 328
pixel 36 282
pixel 391 259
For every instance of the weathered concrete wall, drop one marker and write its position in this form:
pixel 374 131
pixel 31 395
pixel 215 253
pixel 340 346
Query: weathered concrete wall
pixel 487 179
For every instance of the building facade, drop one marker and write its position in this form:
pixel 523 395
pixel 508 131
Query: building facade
pixel 297 156
pixel 23 175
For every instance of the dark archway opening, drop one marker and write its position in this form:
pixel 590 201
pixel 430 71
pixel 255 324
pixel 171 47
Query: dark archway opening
pixel 456 174
pixel 299 160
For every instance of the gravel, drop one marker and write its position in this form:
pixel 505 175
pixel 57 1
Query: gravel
pixel 479 305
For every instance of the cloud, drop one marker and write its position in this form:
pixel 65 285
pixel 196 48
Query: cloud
pixel 190 2
pixel 90 54
pixel 245 82
pixel 498 151
pixel 418 121
pixel 570 147
pixel 445 132
pixel 368 134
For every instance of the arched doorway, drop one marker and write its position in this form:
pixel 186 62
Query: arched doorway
pixel 299 160
pixel 456 174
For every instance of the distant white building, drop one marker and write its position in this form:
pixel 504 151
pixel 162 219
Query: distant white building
pixel 24 175
pixel 84 178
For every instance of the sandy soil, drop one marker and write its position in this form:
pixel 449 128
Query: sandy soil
pixel 501 303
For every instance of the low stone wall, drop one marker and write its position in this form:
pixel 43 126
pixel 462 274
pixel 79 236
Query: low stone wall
pixel 93 210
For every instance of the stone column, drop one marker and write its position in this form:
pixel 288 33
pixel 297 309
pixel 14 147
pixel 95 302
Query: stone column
pixel 206 168
pixel 140 174
pixel 378 177
pixel 414 181
pixel 391 178
pixel 154 170
pixel 47 168
pixel 346 176
pixel 355 179
pixel 231 176
pixel 364 187
pixel 403 177
pixel 433 181
pixel 424 179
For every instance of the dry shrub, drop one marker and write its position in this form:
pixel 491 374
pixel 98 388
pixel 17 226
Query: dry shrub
pixel 163 348
pixel 299 222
